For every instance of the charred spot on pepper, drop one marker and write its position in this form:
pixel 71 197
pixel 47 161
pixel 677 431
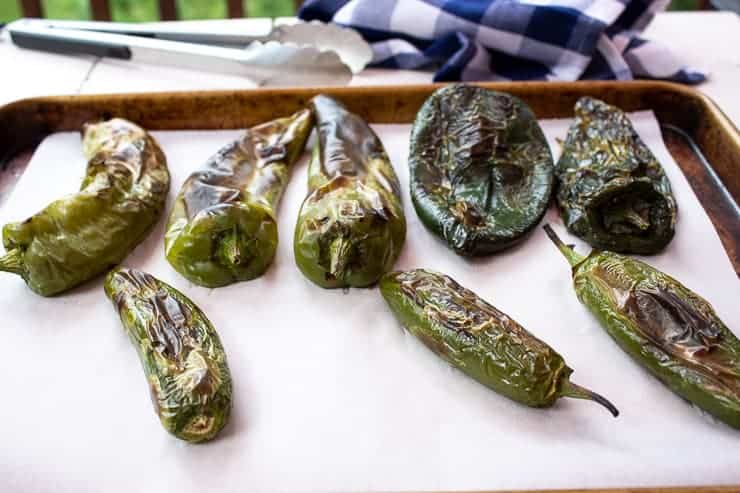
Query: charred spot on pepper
pixel 270 152
pixel 467 214
pixel 170 325
pixel 672 321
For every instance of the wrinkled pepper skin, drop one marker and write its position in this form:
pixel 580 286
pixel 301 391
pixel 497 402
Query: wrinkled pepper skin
pixel 480 340
pixel 612 191
pixel 351 226
pixel 664 326
pixel 183 359
pixel 81 236
pixel 222 228
pixel 480 167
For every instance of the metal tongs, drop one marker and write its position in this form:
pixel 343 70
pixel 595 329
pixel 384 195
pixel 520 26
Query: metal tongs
pixel 304 54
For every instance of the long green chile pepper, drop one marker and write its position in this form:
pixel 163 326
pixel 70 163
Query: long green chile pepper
pixel 612 191
pixel 481 169
pixel 480 340
pixel 663 325
pixel 81 236
pixel 351 226
pixel 183 359
pixel 222 228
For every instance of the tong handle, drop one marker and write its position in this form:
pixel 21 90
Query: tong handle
pixel 61 44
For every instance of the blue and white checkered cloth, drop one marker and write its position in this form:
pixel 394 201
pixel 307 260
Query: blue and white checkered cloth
pixel 510 39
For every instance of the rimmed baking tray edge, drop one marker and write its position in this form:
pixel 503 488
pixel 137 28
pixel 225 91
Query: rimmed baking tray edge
pixel 702 140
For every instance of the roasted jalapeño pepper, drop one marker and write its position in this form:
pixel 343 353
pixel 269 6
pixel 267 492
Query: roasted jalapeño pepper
pixel 612 191
pixel 80 236
pixel 351 225
pixel 222 228
pixel 183 359
pixel 664 326
pixel 480 168
pixel 480 340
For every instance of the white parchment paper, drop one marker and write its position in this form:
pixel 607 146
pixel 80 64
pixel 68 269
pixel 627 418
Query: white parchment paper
pixel 329 392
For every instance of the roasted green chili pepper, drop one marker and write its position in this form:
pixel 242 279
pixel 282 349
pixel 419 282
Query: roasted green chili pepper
pixel 223 227
pixel 663 325
pixel 481 169
pixel 180 351
pixel 78 237
pixel 351 225
pixel 612 191
pixel 481 341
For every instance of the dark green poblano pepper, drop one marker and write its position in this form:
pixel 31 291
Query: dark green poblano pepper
pixel 81 236
pixel 223 227
pixel 481 341
pixel 183 359
pixel 663 325
pixel 612 192
pixel 481 169
pixel 351 225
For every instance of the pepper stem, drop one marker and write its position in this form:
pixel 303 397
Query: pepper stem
pixel 12 262
pixel 636 219
pixel 231 250
pixel 577 392
pixel 624 212
pixel 567 251
pixel 339 256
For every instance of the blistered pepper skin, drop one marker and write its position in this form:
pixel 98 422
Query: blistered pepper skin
pixel 351 226
pixel 481 341
pixel 664 326
pixel 183 359
pixel 81 236
pixel 223 227
pixel 481 171
pixel 612 191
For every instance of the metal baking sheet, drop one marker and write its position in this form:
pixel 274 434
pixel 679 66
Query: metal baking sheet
pixel 329 392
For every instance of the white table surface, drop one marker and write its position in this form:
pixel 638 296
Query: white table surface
pixel 703 39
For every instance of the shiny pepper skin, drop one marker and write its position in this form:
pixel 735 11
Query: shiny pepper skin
pixel 183 359
pixel 481 341
pixel 612 191
pixel 81 236
pixel 223 226
pixel 481 171
pixel 664 326
pixel 351 226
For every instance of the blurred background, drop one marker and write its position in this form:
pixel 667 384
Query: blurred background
pixel 148 10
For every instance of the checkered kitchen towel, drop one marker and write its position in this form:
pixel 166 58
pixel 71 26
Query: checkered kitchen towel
pixel 510 39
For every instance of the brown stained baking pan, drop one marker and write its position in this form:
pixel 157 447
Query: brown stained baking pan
pixel 703 141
